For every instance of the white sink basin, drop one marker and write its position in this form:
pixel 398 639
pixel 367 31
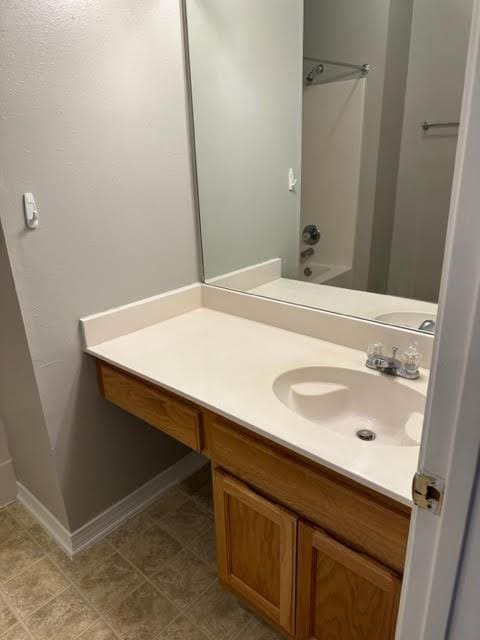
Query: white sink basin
pixel 347 401
pixel 409 319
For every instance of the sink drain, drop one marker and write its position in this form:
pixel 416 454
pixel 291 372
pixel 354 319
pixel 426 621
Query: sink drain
pixel 366 435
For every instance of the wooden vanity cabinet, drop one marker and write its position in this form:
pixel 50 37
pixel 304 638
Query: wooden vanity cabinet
pixel 318 555
pixel 341 594
pixel 359 518
pixel 305 582
pixel 256 549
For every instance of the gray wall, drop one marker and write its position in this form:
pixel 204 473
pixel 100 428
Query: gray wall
pixel 20 407
pixel 94 123
pixel 395 84
pixel 8 488
pixel 465 613
pixel 436 77
pixel 246 65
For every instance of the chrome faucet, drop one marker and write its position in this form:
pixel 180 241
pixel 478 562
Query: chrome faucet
pixel 428 326
pixel 407 367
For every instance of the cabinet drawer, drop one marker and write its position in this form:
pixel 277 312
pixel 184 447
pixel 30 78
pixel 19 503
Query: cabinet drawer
pixel 174 417
pixel 373 525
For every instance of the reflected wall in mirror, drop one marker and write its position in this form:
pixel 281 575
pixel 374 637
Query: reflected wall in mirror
pixel 325 138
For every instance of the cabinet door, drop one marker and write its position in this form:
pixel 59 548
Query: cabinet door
pixel 256 547
pixel 342 595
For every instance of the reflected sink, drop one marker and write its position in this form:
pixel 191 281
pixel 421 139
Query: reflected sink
pixel 347 401
pixel 409 319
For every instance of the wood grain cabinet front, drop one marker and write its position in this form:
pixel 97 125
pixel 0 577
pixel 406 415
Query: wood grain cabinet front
pixel 341 594
pixel 336 579
pixel 368 523
pixel 256 549
pixel 158 408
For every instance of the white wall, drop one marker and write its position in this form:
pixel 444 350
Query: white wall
pixel 333 116
pixel 356 32
pixel 94 124
pixel 434 92
pixel 246 64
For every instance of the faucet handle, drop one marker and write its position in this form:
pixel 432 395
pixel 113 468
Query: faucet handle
pixel 411 359
pixel 375 350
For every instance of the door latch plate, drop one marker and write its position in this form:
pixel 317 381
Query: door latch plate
pixel 428 491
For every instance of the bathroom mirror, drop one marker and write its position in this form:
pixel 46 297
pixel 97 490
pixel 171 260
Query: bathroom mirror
pixel 325 137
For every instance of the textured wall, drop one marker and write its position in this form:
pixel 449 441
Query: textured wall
pixel 247 97
pixel 94 124
pixel 20 408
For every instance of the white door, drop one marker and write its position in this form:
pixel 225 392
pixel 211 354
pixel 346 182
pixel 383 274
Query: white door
pixel 451 441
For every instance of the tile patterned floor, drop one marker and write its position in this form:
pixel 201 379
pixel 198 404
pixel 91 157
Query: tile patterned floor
pixel 153 578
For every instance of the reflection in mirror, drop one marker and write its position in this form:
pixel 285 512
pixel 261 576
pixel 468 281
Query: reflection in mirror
pixel 325 137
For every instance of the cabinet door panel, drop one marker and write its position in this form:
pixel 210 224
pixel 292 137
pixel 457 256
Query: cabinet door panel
pixel 343 595
pixel 256 542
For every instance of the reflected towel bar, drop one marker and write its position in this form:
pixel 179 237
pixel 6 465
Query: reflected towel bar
pixel 426 125
pixel 362 68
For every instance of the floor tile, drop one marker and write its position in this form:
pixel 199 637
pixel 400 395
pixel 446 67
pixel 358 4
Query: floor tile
pixel 26 520
pixel 16 633
pixel 112 580
pixel 7 619
pixel 142 615
pixel 187 522
pixel 197 480
pixel 153 541
pixel 204 496
pixel 181 629
pixel 21 514
pixel 183 579
pixel 204 546
pixel 63 618
pixel 219 614
pixel 150 550
pixel 99 631
pixel 17 553
pixel 83 563
pixel 169 501
pixel 42 538
pixel 31 589
pixel 8 525
pixel 259 630
pixel 128 531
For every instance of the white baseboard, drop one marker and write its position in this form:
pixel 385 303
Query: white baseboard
pixel 79 540
pixel 8 485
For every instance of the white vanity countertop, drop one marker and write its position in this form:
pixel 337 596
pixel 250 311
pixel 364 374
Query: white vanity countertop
pixel 228 364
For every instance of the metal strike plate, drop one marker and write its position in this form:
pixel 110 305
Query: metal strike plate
pixel 428 491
